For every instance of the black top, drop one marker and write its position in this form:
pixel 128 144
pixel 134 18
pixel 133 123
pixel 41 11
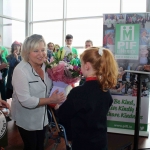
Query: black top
pixel 13 62
pixel 84 116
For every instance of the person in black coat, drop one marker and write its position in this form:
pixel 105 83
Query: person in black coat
pixel 13 59
pixel 84 113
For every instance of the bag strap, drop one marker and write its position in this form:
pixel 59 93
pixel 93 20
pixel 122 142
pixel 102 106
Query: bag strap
pixel 55 120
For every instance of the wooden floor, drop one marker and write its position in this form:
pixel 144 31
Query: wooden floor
pixel 114 140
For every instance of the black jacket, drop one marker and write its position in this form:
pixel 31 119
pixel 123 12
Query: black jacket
pixel 84 116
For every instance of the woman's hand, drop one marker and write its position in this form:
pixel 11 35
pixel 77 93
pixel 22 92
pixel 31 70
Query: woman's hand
pixel 57 97
pixel 4 104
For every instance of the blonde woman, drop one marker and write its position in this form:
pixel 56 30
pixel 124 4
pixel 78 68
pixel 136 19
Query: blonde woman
pixel 31 89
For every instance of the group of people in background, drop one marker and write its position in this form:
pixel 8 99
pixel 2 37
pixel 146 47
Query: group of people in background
pixel 7 64
pixel 112 19
pixel 53 48
pixel 9 60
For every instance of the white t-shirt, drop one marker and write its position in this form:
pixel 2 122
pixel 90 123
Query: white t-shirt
pixel 68 50
pixel 114 22
pixel 122 21
pixel 108 23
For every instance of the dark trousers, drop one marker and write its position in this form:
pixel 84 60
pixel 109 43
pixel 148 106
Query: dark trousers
pixel 33 140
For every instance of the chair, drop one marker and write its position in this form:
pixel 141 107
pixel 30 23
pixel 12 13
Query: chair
pixel 51 129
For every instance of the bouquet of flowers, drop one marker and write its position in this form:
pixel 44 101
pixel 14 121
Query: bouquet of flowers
pixel 64 70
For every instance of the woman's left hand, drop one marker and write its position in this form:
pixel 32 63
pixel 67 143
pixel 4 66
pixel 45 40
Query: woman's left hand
pixel 57 97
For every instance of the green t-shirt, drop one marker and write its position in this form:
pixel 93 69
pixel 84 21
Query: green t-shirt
pixel 75 61
pixel 3 53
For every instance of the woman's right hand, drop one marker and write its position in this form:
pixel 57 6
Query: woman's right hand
pixel 4 104
pixel 57 97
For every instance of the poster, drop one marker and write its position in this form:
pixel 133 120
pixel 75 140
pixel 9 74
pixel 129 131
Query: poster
pixel 122 113
pixel 127 41
pixel 128 37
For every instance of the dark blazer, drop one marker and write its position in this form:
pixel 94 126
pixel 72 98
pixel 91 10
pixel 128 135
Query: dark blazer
pixel 84 116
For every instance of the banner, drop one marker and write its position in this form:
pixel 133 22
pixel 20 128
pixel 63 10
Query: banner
pixel 127 41
pixel 122 113
pixel 128 37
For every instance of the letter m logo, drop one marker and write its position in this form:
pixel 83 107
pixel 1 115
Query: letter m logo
pixel 127 33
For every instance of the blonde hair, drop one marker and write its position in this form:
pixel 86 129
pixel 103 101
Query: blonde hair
pixel 30 44
pixel 105 66
pixel 56 47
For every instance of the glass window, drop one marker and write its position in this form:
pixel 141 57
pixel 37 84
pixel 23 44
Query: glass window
pixel 80 51
pixel 51 31
pixel 83 30
pixel 84 8
pixel 12 31
pixel 18 31
pixel 1 7
pixel 133 6
pixel 14 8
pixel 47 9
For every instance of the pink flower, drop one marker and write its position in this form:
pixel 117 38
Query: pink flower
pixel 75 68
pixel 71 67
pixel 61 70
pixel 70 80
pixel 56 73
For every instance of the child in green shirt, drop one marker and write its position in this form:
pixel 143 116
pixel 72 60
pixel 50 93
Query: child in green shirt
pixel 69 49
pixel 4 54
